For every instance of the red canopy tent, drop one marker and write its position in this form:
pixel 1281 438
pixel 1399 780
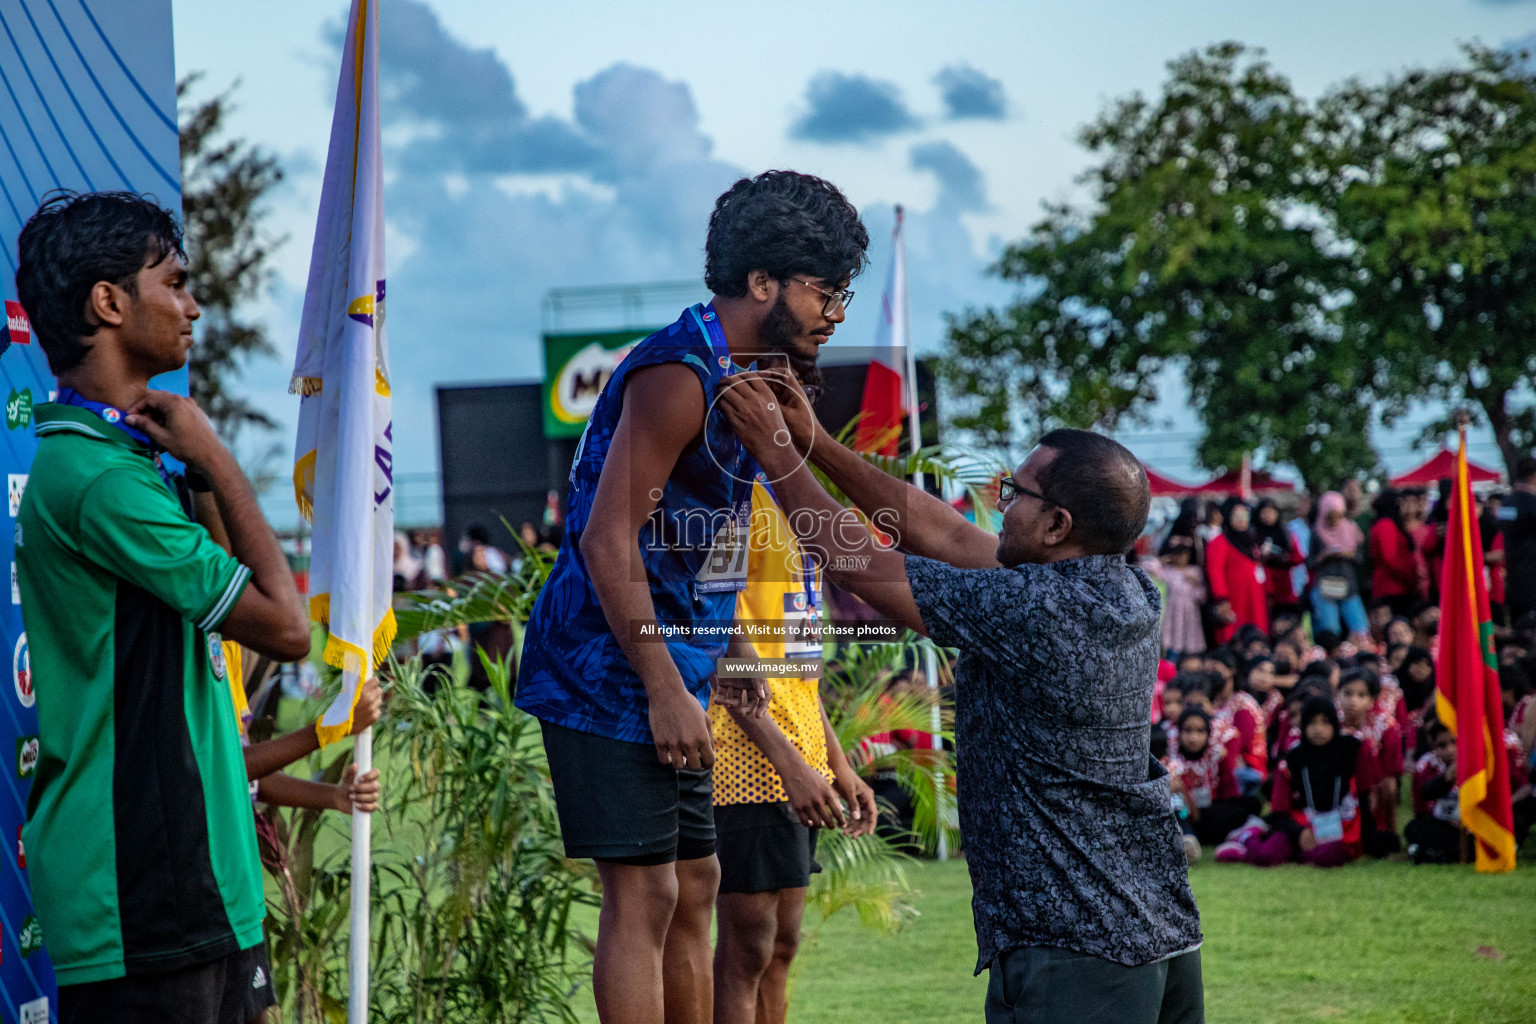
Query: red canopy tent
pixel 1162 487
pixel 1443 467
pixel 1232 482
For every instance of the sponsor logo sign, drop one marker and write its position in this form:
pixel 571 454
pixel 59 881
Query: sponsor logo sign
pixel 26 756
pixel 15 487
pixel 21 849
pixel 15 585
pixel 35 1012
pixel 17 324
pixel 21 670
pixel 576 369
pixel 18 409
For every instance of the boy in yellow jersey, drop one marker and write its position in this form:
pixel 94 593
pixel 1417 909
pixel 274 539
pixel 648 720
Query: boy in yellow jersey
pixel 778 779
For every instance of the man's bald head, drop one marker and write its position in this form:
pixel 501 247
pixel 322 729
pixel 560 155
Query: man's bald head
pixel 1102 484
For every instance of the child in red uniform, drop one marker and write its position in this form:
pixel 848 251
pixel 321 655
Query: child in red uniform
pixel 1201 771
pixel 1316 805
pixel 1237 710
pixel 1360 717
pixel 1434 834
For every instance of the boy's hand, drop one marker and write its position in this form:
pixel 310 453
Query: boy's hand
pixel 863 815
pixel 370 704
pixel 358 794
pixel 680 730
pixel 749 696
pixel 814 800
pixel 177 424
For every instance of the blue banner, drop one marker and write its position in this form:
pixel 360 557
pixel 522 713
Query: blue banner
pixel 87 102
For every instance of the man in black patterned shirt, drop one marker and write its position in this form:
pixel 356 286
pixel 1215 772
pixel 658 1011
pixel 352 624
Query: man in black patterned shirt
pixel 1082 903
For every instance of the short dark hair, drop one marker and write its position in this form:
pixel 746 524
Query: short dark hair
pixel 1525 468
pixel 1103 485
pixel 786 223
pixel 74 241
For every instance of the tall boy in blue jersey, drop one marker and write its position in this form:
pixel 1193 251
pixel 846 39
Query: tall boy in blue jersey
pixel 655 533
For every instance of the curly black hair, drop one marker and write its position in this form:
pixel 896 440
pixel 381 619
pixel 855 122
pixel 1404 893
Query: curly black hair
pixel 786 223
pixel 73 241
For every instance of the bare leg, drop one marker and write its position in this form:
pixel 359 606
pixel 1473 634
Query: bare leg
pixel 638 904
pixel 773 990
pixel 686 964
pixel 746 930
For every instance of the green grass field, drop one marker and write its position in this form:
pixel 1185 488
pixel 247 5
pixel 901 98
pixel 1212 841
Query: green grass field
pixel 1371 943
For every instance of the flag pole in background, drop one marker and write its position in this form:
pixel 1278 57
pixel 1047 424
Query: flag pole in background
pixel 343 468
pixel 1467 695
pixel 887 390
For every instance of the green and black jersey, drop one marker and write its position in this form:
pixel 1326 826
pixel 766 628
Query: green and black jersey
pixel 140 845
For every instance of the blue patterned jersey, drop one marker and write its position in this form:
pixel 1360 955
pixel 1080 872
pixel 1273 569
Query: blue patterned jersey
pixel 694 549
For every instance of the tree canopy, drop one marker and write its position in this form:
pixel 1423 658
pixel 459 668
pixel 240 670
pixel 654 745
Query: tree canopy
pixel 1255 243
pixel 223 184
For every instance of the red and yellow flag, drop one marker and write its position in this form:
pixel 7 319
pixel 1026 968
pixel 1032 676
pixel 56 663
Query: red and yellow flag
pixel 1467 690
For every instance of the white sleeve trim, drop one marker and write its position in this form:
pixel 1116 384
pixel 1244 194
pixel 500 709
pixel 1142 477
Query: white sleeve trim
pixel 226 602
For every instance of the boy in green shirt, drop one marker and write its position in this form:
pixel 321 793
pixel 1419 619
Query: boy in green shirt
pixel 142 855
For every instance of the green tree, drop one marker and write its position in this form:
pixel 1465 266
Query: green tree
pixel 224 182
pixel 1201 252
pixel 1434 185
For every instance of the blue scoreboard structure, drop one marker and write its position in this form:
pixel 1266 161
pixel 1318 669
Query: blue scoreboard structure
pixel 87 102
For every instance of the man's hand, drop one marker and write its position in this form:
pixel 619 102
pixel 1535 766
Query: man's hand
pixel 358 794
pixel 1224 612
pixel 755 414
pixel 370 702
pixel 175 423
pixel 815 801
pixel 863 815
pixel 680 729
pixel 799 417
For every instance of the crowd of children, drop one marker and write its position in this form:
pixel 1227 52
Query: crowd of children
pixel 1282 748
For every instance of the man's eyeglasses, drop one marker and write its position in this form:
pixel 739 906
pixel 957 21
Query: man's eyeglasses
pixel 836 300
pixel 1008 488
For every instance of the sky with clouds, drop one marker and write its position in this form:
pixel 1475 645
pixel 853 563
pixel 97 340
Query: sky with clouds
pixel 532 147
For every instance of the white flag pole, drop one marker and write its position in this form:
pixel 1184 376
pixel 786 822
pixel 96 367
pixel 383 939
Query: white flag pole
pixel 362 887
pixel 915 432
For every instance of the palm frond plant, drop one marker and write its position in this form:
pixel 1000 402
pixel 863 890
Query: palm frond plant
pixel 472 895
pixel 951 466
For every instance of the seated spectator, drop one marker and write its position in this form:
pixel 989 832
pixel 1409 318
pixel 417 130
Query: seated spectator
pixel 1201 770
pixel 1262 681
pixel 1316 801
pixel 1434 834
pixel 1237 711
pixel 1400 631
pixel 1360 717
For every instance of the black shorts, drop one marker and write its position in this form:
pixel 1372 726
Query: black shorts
pixel 764 848
pixel 618 803
pixel 231 990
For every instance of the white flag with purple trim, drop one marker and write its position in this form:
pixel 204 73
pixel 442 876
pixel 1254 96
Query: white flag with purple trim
pixel 343 463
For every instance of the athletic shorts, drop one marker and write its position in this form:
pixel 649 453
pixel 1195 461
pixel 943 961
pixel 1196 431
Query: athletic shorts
pixel 232 990
pixel 618 803
pixel 764 848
